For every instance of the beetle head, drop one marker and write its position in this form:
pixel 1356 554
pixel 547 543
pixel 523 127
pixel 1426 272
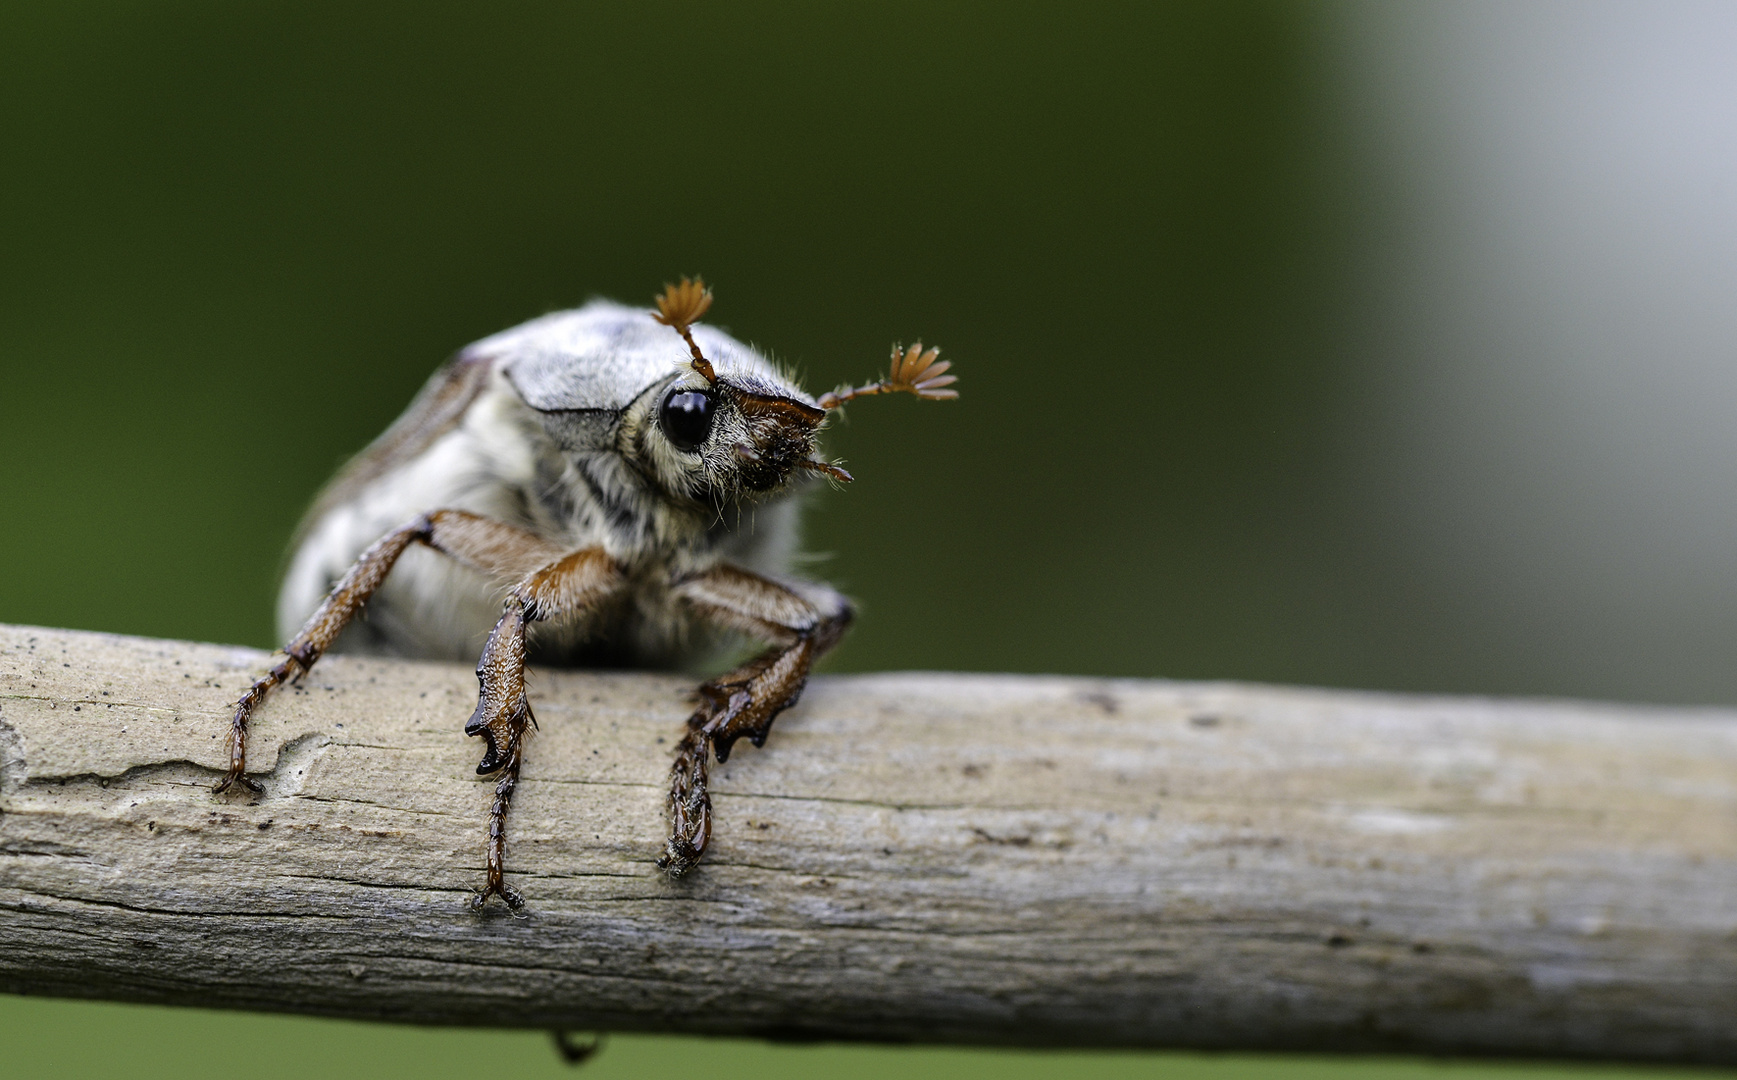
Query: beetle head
pixel 727 431
pixel 718 433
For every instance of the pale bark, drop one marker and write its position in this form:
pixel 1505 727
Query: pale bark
pixel 933 857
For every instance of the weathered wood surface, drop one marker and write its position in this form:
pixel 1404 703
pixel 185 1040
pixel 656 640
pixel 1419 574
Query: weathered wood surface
pixel 929 857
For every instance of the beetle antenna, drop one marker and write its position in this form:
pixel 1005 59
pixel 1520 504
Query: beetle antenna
pixel 679 307
pixel 914 370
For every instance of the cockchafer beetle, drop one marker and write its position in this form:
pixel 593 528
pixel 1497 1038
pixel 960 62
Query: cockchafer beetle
pixel 628 476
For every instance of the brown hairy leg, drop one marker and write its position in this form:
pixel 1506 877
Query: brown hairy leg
pixel 743 702
pixel 561 588
pixel 493 547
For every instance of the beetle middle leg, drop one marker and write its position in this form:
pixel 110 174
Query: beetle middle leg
pixel 560 589
pixel 494 547
pixel 743 702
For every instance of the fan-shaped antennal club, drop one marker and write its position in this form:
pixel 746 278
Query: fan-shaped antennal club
pixel 679 307
pixel 914 370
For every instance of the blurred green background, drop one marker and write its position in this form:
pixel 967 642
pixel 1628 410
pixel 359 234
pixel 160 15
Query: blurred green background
pixel 235 241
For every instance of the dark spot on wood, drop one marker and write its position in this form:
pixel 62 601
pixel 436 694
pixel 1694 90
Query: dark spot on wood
pixel 1337 940
pixel 1103 699
pixel 1204 720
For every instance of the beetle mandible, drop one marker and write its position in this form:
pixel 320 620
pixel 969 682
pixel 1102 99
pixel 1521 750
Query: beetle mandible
pixel 628 476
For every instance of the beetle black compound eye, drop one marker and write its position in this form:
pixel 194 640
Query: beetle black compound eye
pixel 686 417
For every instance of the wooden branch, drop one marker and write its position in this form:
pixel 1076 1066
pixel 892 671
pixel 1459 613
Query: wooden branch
pixel 927 857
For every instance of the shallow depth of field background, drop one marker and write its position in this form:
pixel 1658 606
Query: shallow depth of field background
pixel 1374 346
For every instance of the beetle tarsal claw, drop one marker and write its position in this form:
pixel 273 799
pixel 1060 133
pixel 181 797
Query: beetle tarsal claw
pixel 509 895
pixel 241 780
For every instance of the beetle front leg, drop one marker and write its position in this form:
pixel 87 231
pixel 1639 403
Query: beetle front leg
pixel 564 588
pixel 744 702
